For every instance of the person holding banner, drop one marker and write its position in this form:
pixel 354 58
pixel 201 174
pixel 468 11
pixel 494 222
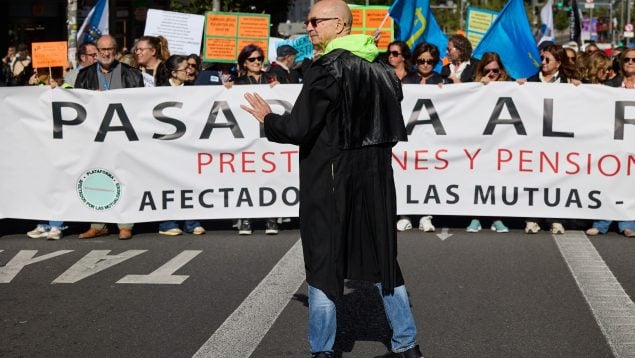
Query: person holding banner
pixel 104 75
pixel 149 52
pixel 250 72
pixel 346 121
pixel 86 56
pixel 462 65
pixel 426 57
pixel 625 80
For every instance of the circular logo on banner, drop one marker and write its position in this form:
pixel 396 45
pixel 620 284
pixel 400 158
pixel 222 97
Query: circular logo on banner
pixel 99 189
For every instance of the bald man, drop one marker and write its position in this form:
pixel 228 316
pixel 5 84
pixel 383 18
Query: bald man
pixel 346 120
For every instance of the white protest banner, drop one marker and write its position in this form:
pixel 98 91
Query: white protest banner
pixel 152 154
pixel 184 32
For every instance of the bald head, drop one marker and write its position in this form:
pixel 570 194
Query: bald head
pixel 327 20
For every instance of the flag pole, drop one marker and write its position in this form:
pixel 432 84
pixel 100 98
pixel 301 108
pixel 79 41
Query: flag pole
pixel 377 33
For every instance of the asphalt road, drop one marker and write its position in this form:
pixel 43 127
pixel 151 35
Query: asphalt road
pixel 473 295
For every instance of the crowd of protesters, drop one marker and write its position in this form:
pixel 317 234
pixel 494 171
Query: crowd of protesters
pixel 102 66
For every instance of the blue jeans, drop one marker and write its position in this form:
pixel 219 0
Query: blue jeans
pixel 323 321
pixel 190 225
pixel 51 224
pixel 603 225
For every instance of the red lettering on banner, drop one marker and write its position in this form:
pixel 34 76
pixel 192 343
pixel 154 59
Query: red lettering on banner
pixel 203 160
pixel 223 161
pixel 573 163
pixel 472 157
pixel 420 157
pixel 265 158
pixel 525 158
pixel 401 163
pixel 246 161
pixel 438 157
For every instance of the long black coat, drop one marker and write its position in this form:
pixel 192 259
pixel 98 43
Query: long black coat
pixel 346 120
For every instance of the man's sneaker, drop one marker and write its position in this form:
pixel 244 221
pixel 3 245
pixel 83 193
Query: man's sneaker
pixel 171 232
pixel 245 227
pixel 54 234
pixel 498 226
pixel 271 227
pixel 557 228
pixel 532 227
pixel 475 226
pixel 404 224
pixel 425 224
pixel 593 231
pixel 39 232
pixel 199 230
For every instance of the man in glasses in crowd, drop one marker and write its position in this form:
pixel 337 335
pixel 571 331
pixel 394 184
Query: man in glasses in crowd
pixel 346 120
pixel 86 56
pixel 107 74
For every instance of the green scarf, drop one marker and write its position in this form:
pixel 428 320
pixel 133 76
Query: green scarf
pixel 362 46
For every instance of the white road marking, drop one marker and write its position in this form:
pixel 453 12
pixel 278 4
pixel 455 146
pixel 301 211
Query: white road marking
pixel 445 233
pixel 23 258
pixel 94 262
pixel 243 330
pixel 164 274
pixel 613 309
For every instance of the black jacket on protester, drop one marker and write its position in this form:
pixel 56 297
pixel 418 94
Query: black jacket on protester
pixel 346 120
pixel 87 77
pixel 468 74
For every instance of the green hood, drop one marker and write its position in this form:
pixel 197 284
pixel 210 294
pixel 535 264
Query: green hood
pixel 362 46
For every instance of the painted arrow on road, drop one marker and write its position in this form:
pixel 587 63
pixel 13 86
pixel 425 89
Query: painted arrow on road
pixel 444 234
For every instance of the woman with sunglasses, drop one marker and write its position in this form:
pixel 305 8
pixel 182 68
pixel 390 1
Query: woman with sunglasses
pixel 250 70
pixel 625 80
pixel 399 58
pixel 174 72
pixel 556 68
pixel 489 69
pixel 426 57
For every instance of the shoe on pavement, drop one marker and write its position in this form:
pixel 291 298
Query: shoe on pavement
pixel 557 228
pixel 38 233
pixel 92 233
pixel 413 352
pixel 271 227
pixel 592 231
pixel 125 234
pixel 175 231
pixel 199 230
pixel 498 226
pixel 425 224
pixel 404 224
pixel 322 355
pixel 54 234
pixel 245 227
pixel 532 227
pixel 629 232
pixel 475 226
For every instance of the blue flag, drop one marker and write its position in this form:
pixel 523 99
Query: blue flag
pixel 95 24
pixel 511 38
pixel 417 25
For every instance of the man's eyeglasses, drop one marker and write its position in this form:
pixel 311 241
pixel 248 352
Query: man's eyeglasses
pixel 254 59
pixel 629 59
pixel 394 53
pixel 106 49
pixel 421 61
pixel 93 55
pixel 314 21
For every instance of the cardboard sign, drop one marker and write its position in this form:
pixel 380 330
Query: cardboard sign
pixel 49 54
pixel 226 33
pixel 367 19
pixel 478 22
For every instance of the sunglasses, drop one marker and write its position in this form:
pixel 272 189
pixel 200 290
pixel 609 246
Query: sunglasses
pixel 546 59
pixel 421 61
pixel 394 53
pixel 254 59
pixel 492 70
pixel 629 59
pixel 314 21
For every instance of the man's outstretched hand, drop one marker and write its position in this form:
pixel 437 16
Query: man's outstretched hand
pixel 259 107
